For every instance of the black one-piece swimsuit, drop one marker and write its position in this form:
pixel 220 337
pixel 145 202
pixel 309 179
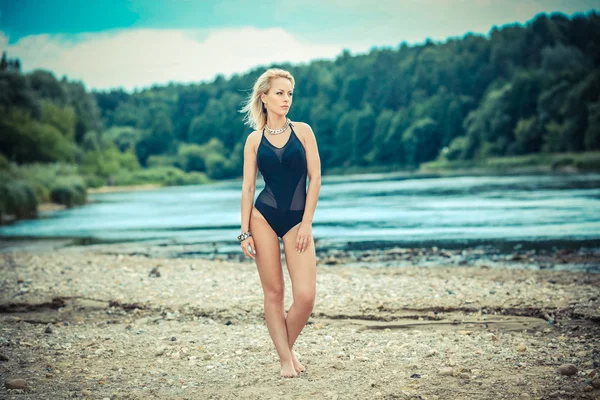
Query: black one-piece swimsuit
pixel 283 199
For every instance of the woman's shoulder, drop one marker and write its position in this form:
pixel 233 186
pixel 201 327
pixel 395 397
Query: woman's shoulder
pixel 253 136
pixel 253 139
pixel 302 128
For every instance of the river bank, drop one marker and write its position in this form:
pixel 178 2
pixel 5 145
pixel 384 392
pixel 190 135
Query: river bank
pixel 97 322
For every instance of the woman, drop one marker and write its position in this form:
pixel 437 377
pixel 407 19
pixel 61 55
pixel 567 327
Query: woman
pixel 286 154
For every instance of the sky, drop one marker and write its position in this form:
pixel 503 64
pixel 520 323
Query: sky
pixel 133 44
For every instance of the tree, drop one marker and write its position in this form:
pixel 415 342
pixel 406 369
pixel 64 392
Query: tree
pixel 561 57
pixel 3 62
pixel 528 137
pixel 421 141
pixel 592 134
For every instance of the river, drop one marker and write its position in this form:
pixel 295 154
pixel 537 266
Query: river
pixel 351 209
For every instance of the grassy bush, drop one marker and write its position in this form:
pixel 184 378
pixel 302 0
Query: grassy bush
pixel 4 164
pixel 69 192
pixel 43 177
pixel 156 161
pixel 25 186
pixel 17 198
pixel 94 181
pixel 373 169
pixel 162 175
pixel 588 161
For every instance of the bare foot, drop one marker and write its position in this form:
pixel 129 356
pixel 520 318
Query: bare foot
pixel 297 364
pixel 288 370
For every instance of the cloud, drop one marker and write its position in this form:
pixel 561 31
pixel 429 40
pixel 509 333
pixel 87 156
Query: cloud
pixel 143 57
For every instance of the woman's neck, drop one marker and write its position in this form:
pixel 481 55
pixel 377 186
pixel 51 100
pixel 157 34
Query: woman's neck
pixel 276 122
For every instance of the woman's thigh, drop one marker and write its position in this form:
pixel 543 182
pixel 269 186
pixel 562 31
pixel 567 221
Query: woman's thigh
pixel 268 254
pixel 301 266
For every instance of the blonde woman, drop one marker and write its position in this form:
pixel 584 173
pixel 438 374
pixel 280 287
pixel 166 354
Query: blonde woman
pixel 286 154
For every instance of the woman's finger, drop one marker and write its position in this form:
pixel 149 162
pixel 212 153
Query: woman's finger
pixel 250 249
pixel 307 243
pixel 245 250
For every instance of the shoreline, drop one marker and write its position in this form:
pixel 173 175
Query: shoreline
pixel 98 321
pixel 557 254
pixel 124 188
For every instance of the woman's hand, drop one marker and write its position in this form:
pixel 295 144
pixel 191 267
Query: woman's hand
pixel 249 243
pixel 304 237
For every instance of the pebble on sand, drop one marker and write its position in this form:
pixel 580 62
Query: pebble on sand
pixel 567 369
pixel 16 384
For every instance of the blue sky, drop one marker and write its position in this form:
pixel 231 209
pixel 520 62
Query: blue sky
pixel 137 43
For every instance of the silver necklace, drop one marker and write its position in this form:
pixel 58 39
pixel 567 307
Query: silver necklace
pixel 280 130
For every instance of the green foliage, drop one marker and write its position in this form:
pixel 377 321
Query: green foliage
pixel 210 158
pixel 362 135
pixel 158 140
pixel 528 138
pixel 17 198
pixel 482 97
pixel 344 149
pixel 25 139
pixel 61 118
pixel 561 57
pixel 4 163
pixel 42 177
pixel 592 134
pixel 542 162
pixel 161 175
pixel 103 159
pixel 163 161
pixel 192 157
pixel 69 192
pixel 124 137
pixel 208 124
pixel 420 141
pixel 455 150
pixel 45 85
pixel 392 151
pixel 554 140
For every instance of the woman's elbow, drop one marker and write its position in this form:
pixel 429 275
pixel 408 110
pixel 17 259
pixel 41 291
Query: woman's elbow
pixel 249 188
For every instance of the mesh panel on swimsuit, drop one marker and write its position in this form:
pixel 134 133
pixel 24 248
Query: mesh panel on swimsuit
pixel 284 170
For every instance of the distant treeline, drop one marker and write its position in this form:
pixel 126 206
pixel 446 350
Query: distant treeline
pixel 520 90
pixel 523 90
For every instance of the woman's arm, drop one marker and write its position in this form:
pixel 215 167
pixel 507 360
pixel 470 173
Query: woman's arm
pixel 313 164
pixel 248 189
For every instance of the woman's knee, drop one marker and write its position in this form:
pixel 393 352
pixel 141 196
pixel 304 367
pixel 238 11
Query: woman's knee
pixel 305 298
pixel 273 294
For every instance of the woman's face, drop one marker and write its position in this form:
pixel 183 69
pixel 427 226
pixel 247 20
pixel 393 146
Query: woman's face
pixel 278 99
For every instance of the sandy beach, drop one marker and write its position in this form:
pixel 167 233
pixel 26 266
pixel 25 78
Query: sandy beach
pixel 98 322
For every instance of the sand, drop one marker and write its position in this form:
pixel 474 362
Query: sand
pixel 91 322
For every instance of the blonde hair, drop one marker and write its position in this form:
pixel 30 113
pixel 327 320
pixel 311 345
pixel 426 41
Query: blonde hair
pixel 256 113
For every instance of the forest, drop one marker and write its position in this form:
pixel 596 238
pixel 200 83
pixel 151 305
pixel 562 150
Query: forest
pixel 521 91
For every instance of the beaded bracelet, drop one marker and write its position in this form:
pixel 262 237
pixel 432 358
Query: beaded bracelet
pixel 244 236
